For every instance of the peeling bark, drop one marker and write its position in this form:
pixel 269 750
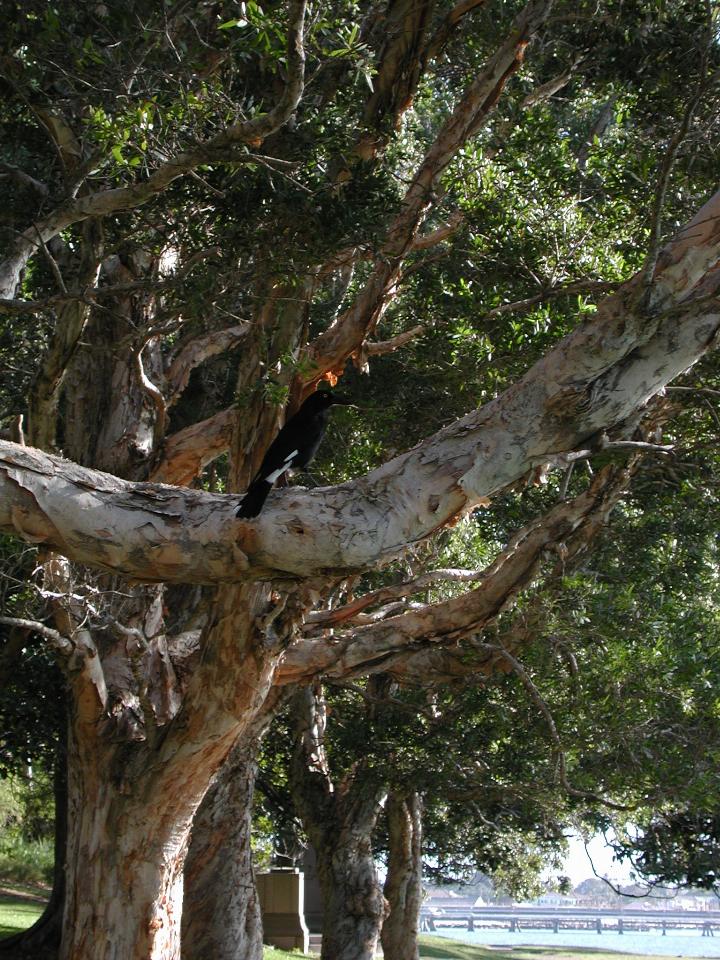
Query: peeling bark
pixel 185 454
pixel 403 885
pixel 221 914
pixel 125 868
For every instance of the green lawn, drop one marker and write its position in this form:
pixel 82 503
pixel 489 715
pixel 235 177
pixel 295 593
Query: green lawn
pixel 19 909
pixel 438 948
pixel 270 953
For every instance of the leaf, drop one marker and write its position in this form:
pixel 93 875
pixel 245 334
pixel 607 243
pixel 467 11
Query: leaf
pixel 229 24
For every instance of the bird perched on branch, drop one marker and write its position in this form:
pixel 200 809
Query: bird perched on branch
pixel 293 448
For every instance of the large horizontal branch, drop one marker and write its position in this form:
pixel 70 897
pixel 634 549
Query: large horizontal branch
pixel 594 378
pixel 114 200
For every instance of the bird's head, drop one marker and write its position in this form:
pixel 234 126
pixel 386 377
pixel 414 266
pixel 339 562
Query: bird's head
pixel 322 399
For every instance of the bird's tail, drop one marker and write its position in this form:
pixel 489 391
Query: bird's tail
pixel 252 502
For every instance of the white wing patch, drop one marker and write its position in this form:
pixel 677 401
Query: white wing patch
pixel 272 477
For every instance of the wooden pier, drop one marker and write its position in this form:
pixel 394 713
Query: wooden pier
pixel 517 919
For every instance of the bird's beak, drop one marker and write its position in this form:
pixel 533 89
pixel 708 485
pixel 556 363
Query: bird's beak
pixel 343 401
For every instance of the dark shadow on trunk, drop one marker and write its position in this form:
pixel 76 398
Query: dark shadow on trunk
pixel 221 913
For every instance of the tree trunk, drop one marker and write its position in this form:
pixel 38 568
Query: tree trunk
pixel 353 900
pixel 403 886
pixel 125 863
pixel 339 819
pixel 221 915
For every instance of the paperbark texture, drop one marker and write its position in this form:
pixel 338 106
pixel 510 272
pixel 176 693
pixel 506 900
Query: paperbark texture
pixel 223 917
pixel 403 884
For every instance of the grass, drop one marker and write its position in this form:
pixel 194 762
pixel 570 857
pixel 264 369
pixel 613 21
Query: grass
pixel 271 953
pixel 20 906
pixel 438 948
pixel 25 861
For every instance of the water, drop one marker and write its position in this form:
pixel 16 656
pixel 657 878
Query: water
pixel 677 943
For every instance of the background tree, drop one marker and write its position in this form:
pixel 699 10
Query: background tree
pixel 213 210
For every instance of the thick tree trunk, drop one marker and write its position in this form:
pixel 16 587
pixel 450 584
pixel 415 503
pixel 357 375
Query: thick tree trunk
pixel 130 819
pixel 127 842
pixel 221 914
pixel 134 787
pixel 339 819
pixel 353 901
pixel 403 885
pixel 125 896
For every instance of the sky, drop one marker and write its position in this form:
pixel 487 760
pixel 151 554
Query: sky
pixel 578 866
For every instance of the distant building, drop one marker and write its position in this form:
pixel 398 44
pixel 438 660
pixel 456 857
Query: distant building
pixel 555 900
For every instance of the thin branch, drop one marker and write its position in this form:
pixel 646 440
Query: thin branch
pixel 24 179
pixel 219 148
pixel 562 290
pixel 558 751
pixel 386 701
pixel 54 268
pixel 331 349
pixel 156 397
pixel 701 390
pixel 446 28
pixel 566 459
pixel 393 592
pixel 381 347
pixel 90 295
pixel 666 168
pixel 196 352
pixel 61 643
pixel 441 233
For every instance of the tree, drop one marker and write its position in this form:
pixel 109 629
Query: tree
pixel 206 223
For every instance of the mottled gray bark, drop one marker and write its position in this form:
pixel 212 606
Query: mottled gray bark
pixel 403 884
pixel 339 819
pixel 221 912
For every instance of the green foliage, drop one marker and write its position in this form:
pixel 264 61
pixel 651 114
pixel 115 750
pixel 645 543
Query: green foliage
pixel 272 953
pixel 26 829
pixel 25 861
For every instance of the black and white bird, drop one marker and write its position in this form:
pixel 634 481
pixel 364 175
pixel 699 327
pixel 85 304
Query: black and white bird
pixel 292 449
